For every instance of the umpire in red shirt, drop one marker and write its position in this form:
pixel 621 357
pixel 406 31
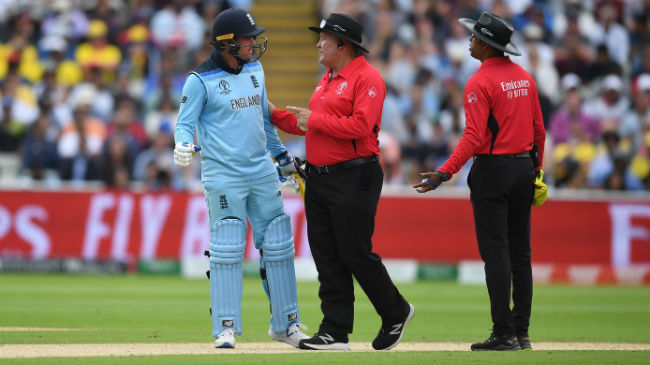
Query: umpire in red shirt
pixel 504 134
pixel 344 181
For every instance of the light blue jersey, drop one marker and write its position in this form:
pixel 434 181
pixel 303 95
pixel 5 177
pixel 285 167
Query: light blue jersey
pixel 230 113
pixel 240 183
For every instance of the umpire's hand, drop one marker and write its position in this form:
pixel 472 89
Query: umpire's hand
pixel 430 181
pixel 302 116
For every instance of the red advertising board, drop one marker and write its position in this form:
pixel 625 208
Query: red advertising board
pixel 128 226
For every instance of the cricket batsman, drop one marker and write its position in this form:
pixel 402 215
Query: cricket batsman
pixel 225 100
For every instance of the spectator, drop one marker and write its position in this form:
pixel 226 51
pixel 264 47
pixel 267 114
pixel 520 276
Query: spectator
pixel 612 103
pixel 65 20
pixel 19 53
pixel 572 56
pixel 163 118
pixel 155 165
pixel 639 38
pixel 19 110
pixel 642 63
pixel 141 49
pixel 117 162
pixel 126 126
pixel 98 52
pixel 39 150
pixel 133 71
pixel 575 19
pixel 602 65
pixel 80 146
pixel 177 25
pixel 570 122
pixel 614 35
pixel 68 71
pixel 95 91
pixel 111 13
pixel 633 119
pixel 610 168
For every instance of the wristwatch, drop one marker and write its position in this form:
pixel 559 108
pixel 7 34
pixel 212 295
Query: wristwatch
pixel 443 176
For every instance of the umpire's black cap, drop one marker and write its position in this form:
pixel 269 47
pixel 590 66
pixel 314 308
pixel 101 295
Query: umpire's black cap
pixel 343 26
pixel 232 23
pixel 493 30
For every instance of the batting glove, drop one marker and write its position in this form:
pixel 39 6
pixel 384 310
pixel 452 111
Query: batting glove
pixel 184 153
pixel 285 165
pixel 292 183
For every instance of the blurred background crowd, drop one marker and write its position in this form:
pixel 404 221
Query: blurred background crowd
pixel 90 89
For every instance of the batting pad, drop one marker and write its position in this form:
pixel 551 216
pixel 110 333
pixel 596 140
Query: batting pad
pixel 280 273
pixel 227 244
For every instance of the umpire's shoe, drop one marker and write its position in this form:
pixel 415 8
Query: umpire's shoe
pixel 325 341
pixel 390 335
pixel 524 341
pixel 497 343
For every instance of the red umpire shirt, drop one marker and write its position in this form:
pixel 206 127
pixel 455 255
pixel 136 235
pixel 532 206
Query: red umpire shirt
pixel 505 90
pixel 345 115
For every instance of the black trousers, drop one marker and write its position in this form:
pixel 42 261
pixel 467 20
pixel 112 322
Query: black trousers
pixel 501 194
pixel 340 209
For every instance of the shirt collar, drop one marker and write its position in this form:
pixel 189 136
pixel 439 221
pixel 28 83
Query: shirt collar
pixel 495 61
pixel 221 62
pixel 351 67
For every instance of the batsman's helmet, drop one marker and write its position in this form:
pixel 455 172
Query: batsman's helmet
pixel 235 23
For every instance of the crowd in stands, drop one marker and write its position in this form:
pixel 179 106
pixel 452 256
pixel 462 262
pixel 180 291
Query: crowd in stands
pixel 590 60
pixel 90 89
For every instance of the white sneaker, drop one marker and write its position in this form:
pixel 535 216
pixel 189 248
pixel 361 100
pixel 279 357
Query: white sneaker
pixel 291 336
pixel 226 339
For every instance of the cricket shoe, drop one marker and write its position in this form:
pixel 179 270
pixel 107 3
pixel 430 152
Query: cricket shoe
pixel 389 336
pixel 497 343
pixel 325 341
pixel 524 342
pixel 226 339
pixel 291 336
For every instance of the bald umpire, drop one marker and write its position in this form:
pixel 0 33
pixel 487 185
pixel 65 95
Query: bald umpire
pixel 343 187
pixel 504 130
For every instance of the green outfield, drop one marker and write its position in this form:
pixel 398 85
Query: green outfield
pixel 155 309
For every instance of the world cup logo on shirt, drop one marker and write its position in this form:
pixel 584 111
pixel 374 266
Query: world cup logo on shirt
pixel 224 86
pixel 342 87
pixel 471 98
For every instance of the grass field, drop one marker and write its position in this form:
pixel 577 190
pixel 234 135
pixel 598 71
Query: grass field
pixel 150 309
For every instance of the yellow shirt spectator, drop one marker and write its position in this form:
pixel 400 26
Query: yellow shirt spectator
pixel 105 56
pixel 28 68
pixel 98 52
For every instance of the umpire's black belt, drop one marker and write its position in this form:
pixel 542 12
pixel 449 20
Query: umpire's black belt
pixel 332 169
pixel 518 155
